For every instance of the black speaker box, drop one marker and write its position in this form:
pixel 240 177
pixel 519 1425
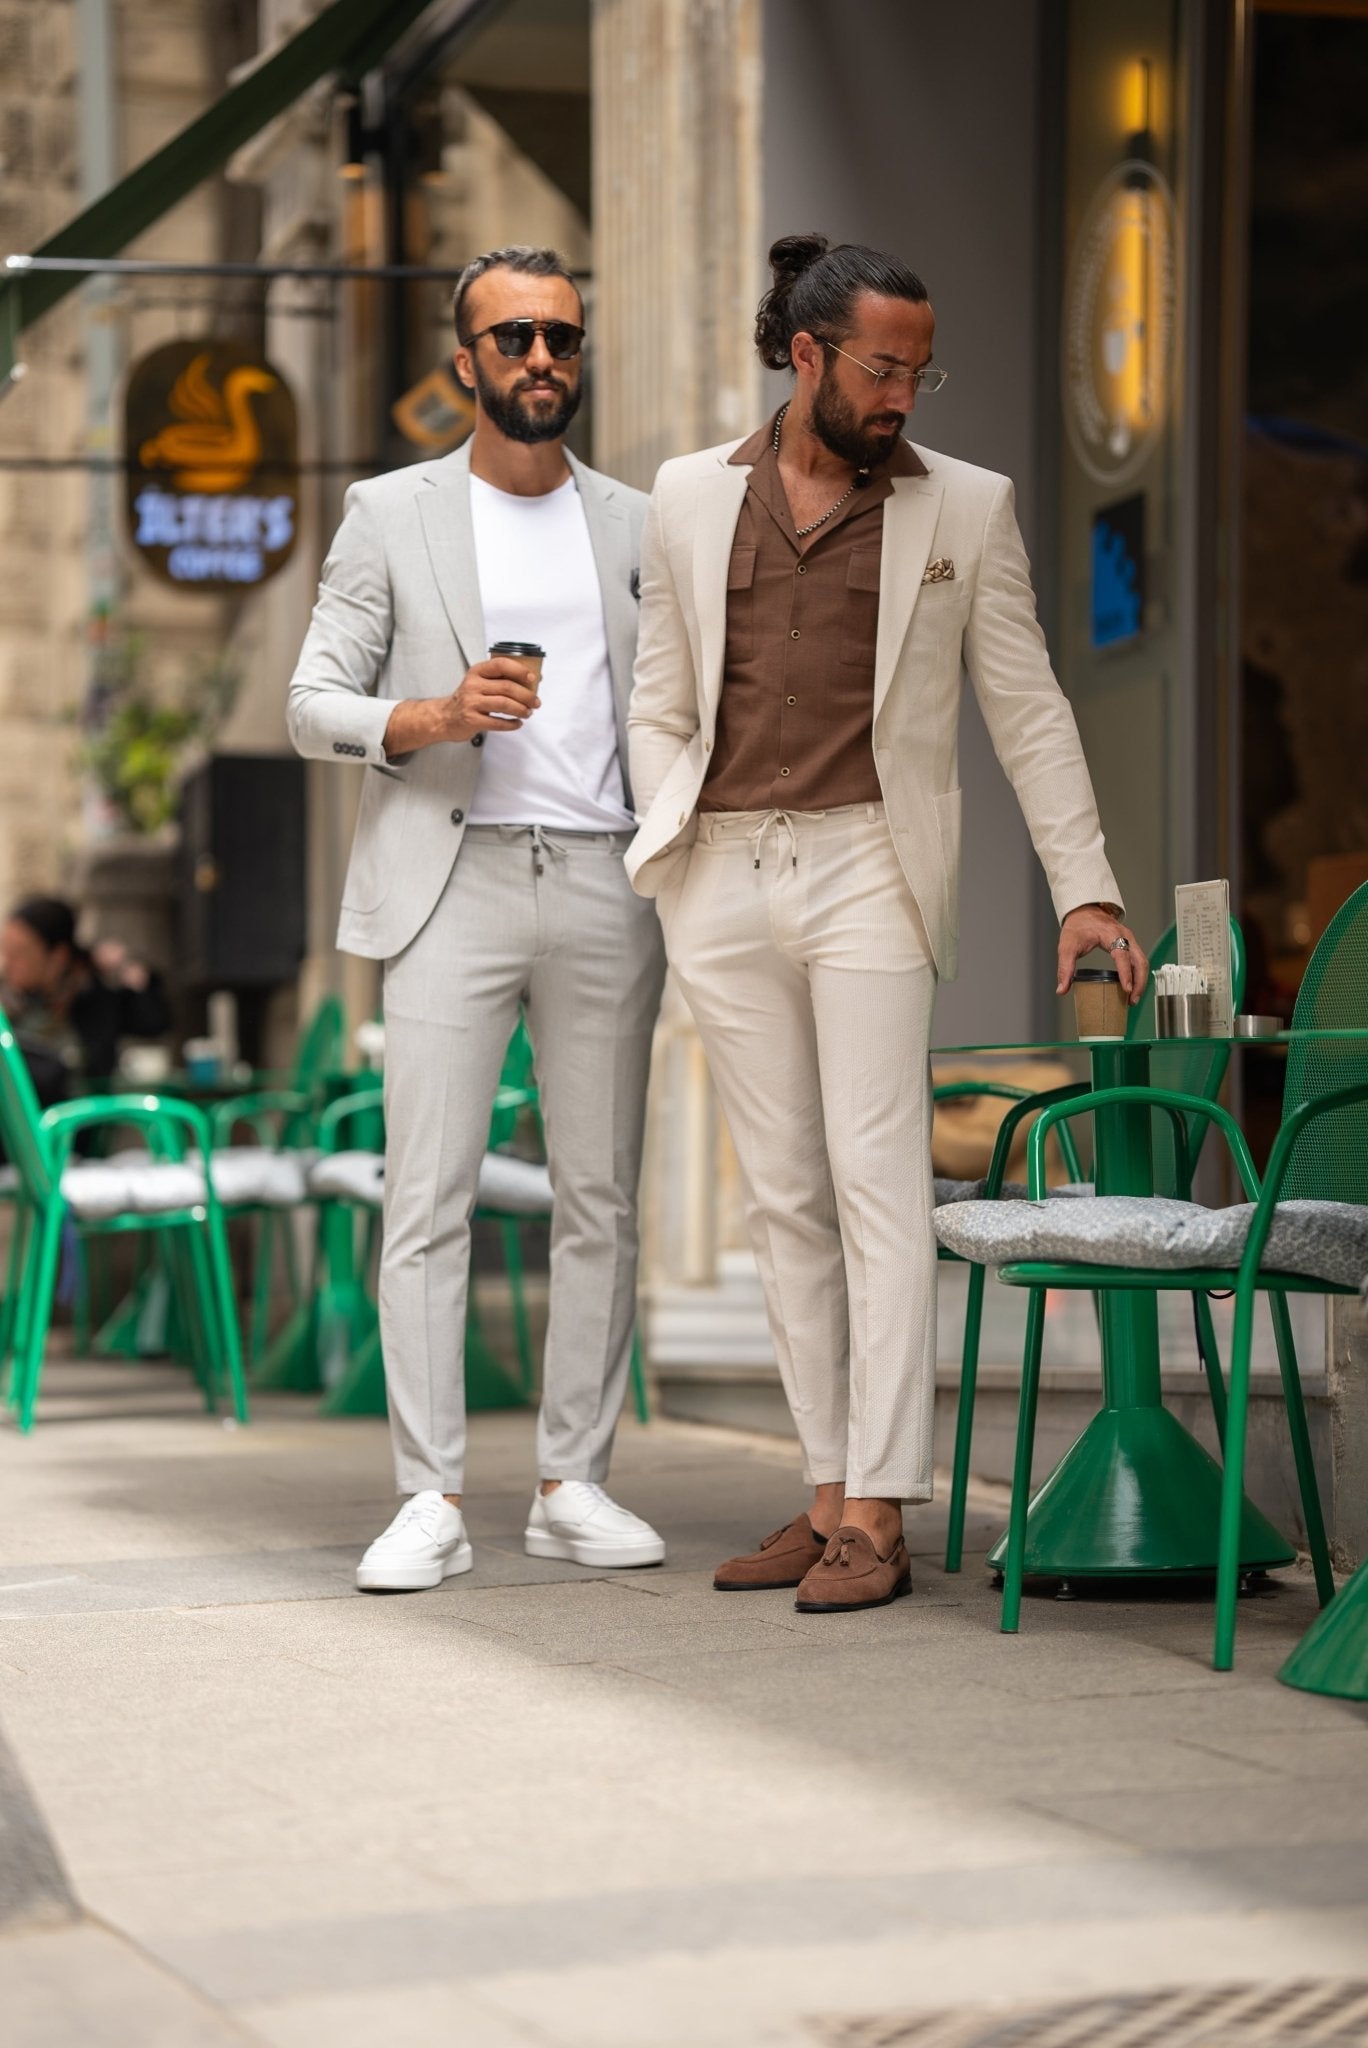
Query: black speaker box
pixel 242 904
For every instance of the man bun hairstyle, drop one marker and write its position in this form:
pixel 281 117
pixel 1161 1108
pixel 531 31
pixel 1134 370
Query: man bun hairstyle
pixel 815 288
pixel 520 256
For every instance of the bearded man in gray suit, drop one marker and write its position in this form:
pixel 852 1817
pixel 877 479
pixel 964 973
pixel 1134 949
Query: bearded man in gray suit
pixel 487 874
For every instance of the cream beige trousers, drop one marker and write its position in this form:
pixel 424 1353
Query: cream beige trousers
pixel 802 955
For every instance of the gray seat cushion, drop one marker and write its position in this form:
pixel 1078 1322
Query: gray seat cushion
pixel 513 1187
pixel 349 1177
pixel 131 1185
pixel 260 1176
pixel 244 1175
pixel 1319 1240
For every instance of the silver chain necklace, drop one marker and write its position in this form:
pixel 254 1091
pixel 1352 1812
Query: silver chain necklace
pixel 860 477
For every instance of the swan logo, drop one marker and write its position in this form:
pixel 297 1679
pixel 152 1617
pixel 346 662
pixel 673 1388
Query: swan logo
pixel 212 441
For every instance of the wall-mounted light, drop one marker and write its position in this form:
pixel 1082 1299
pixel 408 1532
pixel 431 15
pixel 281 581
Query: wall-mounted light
pixel 1136 85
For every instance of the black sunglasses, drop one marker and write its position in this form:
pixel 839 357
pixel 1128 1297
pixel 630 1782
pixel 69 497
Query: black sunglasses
pixel 515 338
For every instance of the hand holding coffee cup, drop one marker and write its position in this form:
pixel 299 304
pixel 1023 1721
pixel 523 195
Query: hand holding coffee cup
pixel 1095 927
pixel 493 696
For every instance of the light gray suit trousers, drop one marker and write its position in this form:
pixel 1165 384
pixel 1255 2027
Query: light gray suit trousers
pixel 552 924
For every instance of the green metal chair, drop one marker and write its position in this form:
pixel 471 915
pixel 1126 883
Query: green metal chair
pixel 1193 1070
pixel 165 1193
pixel 277 1120
pixel 1320 1156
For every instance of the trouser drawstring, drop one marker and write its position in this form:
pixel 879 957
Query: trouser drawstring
pixel 778 819
pixel 542 845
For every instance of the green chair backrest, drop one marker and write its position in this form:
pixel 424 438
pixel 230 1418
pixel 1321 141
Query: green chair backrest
pixel 1331 1162
pixel 1188 1069
pixel 320 1044
pixel 19 1115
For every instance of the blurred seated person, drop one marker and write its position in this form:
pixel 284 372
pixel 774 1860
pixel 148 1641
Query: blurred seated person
pixel 70 1009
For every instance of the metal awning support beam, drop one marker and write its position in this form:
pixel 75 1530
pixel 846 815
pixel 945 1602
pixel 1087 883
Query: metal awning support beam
pixel 349 37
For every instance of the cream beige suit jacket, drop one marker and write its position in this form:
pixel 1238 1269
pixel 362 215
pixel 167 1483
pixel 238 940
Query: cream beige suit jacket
pixel 980 617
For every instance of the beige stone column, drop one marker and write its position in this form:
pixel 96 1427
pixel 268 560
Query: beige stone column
pixel 677 257
pixel 678 269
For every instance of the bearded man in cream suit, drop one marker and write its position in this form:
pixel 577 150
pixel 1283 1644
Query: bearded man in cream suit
pixel 809 597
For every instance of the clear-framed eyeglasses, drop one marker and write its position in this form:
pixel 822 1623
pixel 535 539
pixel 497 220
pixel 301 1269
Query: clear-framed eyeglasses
pixel 929 378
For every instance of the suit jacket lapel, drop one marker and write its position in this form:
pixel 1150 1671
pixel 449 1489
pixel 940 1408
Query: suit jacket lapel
pixel 717 510
pixel 444 508
pixel 909 528
pixel 610 539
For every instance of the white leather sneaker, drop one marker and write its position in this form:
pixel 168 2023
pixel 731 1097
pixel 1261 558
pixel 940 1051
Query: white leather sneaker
pixel 580 1522
pixel 424 1544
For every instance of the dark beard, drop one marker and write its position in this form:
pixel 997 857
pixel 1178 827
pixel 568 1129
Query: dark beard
pixel 835 424
pixel 506 410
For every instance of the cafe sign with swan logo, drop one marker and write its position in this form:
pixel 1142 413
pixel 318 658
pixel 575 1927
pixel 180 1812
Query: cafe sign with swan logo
pixel 212 461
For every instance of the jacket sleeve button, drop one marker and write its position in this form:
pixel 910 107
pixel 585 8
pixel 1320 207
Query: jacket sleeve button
pixel 477 739
pixel 458 817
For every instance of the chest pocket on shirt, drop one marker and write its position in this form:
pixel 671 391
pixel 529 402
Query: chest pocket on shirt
pixel 860 628
pixel 740 605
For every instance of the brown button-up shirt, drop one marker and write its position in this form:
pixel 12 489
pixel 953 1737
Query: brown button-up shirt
pixel 796 717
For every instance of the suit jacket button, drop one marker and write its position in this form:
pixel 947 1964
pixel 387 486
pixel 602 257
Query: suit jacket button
pixel 477 739
pixel 458 817
pixel 338 747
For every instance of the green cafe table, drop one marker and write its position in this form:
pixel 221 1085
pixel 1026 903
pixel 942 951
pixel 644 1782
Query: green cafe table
pixel 1136 1494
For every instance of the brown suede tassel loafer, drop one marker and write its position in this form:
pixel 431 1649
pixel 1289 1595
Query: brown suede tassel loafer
pixel 850 1574
pixel 783 1559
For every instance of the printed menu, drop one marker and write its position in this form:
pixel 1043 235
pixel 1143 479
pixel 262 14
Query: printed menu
pixel 1203 913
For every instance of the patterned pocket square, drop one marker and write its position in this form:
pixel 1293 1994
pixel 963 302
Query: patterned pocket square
pixel 940 571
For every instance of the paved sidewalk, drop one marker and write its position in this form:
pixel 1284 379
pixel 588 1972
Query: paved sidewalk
pixel 543 1809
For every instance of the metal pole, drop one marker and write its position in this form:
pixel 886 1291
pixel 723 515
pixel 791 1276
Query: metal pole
pixel 96 111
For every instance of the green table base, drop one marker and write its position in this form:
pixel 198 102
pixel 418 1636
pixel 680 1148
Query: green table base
pixel 1135 1496
pixel 1332 1657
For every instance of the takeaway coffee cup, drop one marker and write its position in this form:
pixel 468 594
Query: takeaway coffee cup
pixel 1099 1003
pixel 526 651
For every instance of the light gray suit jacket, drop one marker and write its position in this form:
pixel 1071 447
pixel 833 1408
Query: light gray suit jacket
pixel 399 615
pixel 955 592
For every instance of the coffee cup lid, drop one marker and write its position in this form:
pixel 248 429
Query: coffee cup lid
pixel 517 647
pixel 1096 974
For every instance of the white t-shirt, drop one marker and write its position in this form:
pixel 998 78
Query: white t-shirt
pixel 539 582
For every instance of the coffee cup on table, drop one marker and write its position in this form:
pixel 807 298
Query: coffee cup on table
pixel 526 651
pixel 1100 1005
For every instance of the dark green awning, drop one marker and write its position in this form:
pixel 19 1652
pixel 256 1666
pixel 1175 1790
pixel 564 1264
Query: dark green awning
pixel 349 37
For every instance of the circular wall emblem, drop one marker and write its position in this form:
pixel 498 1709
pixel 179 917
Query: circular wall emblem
pixel 1118 324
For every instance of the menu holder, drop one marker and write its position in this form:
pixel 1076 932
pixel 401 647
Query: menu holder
pixel 1203 913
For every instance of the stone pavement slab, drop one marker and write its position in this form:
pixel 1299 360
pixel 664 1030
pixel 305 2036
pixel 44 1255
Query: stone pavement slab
pixel 545 1808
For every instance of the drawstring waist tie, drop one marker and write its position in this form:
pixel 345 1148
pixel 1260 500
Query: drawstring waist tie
pixel 779 821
